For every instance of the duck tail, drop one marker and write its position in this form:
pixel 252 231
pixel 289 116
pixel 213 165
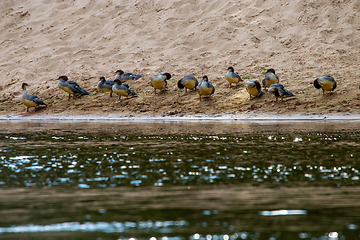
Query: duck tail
pixel 137 76
pixel 289 94
pixel 38 101
pixel 84 92
pixel 132 93
pixel 80 91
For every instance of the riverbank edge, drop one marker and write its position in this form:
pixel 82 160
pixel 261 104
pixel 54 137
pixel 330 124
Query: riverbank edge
pixel 260 117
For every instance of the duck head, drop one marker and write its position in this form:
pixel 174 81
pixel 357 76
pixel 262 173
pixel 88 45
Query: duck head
pixel 102 79
pixel 231 69
pixel 118 81
pixel 271 70
pixel 317 84
pixel 274 91
pixel 119 72
pixel 168 75
pixel 65 78
pixel 205 78
pixel 24 86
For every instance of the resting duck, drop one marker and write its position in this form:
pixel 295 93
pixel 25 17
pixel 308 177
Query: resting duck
pixel 279 91
pixel 232 77
pixel 253 87
pixel 122 89
pixel 326 82
pixel 72 88
pixel 159 81
pixel 30 100
pixel 105 86
pixel 126 76
pixel 188 82
pixel 270 78
pixel 205 88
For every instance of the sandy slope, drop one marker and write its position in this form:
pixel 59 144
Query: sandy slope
pixel 302 40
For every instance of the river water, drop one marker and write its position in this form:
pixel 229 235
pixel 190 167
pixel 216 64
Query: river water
pixel 179 180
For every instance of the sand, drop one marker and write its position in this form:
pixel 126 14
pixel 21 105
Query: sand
pixel 301 40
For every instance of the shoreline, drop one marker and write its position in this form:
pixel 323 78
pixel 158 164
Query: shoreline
pixel 221 118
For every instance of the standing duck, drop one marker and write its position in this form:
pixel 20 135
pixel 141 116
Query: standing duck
pixel 205 88
pixel 270 78
pixel 326 82
pixel 159 81
pixel 279 91
pixel 122 89
pixel 105 86
pixel 126 76
pixel 72 88
pixel 30 100
pixel 188 82
pixel 253 87
pixel 232 77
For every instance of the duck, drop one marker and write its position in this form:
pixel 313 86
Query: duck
pixel 188 82
pixel 232 77
pixel 71 87
pixel 30 100
pixel 270 78
pixel 121 75
pixel 253 87
pixel 105 85
pixel 279 91
pixel 326 82
pixel 205 88
pixel 159 81
pixel 122 89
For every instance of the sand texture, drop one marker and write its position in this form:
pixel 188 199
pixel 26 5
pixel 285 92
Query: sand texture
pixel 302 40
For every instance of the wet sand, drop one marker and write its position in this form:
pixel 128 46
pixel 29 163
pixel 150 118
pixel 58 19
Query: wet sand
pixel 179 125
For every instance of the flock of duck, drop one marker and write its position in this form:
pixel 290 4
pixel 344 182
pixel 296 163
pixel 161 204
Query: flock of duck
pixel 159 82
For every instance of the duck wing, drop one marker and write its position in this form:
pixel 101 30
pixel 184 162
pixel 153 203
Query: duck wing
pixel 209 85
pixel 75 88
pixel 283 91
pixel 37 100
pixel 108 84
pixel 130 76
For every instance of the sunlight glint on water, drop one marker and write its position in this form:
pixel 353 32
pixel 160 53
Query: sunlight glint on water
pixel 263 162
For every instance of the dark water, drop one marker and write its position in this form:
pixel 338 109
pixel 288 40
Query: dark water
pixel 168 180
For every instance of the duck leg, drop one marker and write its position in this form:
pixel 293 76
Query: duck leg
pixel 27 110
pixel 69 98
pixel 34 110
pixel 119 99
